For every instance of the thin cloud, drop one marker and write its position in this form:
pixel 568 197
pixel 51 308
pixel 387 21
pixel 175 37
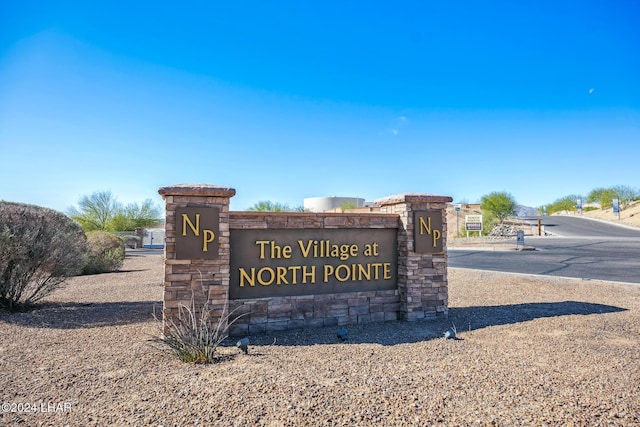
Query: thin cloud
pixel 399 123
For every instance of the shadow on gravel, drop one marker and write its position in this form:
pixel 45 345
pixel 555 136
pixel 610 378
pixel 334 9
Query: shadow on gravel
pixel 75 315
pixel 464 318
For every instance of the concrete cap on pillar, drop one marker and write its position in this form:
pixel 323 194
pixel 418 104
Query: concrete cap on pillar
pixel 203 190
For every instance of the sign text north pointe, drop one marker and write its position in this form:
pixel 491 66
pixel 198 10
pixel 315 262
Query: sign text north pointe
pixel 304 262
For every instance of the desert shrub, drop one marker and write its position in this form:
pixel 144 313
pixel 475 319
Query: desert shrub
pixel 39 249
pixel 105 253
pixel 196 333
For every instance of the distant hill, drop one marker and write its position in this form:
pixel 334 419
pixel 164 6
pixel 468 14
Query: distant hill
pixel 525 211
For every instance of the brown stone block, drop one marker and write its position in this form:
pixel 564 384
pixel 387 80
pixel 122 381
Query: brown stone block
pixel 276 317
pixel 186 295
pixel 314 322
pixel 391 307
pixel 414 315
pixel 171 304
pixel 276 222
pixel 367 294
pixel 337 312
pixel 385 300
pixel 297 315
pixel 279 325
pixel 364 318
pixel 330 321
pixel 274 309
pixel 347 320
pixel 376 308
pixel 295 324
pixel 359 310
pixel 337 305
pixel 378 316
pixel 358 301
pixel 313 222
pixel 278 300
pixel 335 221
pixel 304 306
pixel 390 316
pixel 257 318
pixel 177 277
pixel 260 307
pixel 237 329
pixel 177 261
pixel 255 329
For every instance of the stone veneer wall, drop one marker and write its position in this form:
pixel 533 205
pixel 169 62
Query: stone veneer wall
pixel 290 312
pixel 422 278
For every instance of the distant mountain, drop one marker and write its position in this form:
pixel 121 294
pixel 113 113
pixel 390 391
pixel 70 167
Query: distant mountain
pixel 525 211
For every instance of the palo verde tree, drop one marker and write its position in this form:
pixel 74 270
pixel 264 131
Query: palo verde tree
pixel 102 211
pixel 603 196
pixel 498 205
pixel 625 194
pixel 566 203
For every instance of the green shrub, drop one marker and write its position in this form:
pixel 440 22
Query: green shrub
pixel 39 249
pixel 105 253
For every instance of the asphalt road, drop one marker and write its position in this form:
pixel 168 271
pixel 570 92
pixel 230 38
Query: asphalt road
pixel 578 248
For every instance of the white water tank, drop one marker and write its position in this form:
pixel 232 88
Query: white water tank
pixel 321 204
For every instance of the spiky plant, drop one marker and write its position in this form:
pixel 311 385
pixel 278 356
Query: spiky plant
pixel 194 336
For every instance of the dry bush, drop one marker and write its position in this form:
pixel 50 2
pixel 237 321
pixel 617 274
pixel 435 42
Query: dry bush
pixel 39 249
pixel 105 253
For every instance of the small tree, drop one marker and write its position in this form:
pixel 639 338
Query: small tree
pixel 39 249
pixel 135 216
pixel 625 194
pixel 102 211
pixel 95 211
pixel 603 196
pixel 566 203
pixel 269 206
pixel 498 205
pixel 347 205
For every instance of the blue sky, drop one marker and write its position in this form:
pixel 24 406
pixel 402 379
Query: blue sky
pixel 287 100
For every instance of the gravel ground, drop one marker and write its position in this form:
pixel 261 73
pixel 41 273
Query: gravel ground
pixel 533 351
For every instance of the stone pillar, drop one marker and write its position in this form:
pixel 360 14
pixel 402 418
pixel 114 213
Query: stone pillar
pixel 422 276
pixel 205 275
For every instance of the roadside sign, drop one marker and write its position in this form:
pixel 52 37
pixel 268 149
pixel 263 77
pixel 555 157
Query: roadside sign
pixel 473 218
pixel 520 238
pixel 473 223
